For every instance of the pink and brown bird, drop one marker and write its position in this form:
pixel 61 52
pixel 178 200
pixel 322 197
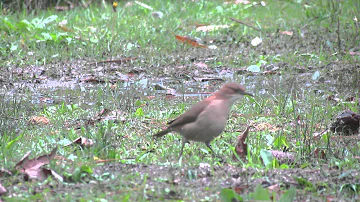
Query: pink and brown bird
pixel 207 119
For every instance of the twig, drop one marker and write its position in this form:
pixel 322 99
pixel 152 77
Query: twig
pixel 357 33
pixel 303 27
pixel 236 20
pixel 338 34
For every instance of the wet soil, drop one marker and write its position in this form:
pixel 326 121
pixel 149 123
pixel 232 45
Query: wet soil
pixel 61 82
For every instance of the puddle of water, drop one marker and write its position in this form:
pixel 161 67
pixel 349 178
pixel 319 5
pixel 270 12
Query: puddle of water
pixel 72 91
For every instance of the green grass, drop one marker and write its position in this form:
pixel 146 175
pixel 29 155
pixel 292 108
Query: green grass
pixel 294 102
pixel 98 33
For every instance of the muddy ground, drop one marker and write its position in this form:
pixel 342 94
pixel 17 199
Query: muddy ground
pixel 156 182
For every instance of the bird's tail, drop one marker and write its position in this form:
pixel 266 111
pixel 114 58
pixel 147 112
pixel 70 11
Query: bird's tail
pixel 162 133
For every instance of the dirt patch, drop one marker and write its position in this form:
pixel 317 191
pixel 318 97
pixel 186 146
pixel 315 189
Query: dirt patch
pixel 154 183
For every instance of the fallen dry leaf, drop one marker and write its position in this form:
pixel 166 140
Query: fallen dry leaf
pixel 265 126
pixel 289 33
pixel 92 80
pixel 190 41
pixel 2 190
pixel 107 114
pixel 240 189
pixel 64 28
pixel 319 153
pixel 25 163
pixel 200 25
pixel 39 120
pixel 4 172
pixel 32 167
pixel 241 146
pixel 274 187
pixel 200 64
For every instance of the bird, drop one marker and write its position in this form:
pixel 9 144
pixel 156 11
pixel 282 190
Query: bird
pixel 206 119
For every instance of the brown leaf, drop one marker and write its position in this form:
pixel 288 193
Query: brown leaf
pixel 103 112
pixel 64 28
pixel 319 153
pixel 333 98
pixel 270 72
pixel 241 146
pixel 200 64
pixel 274 187
pixel 32 167
pixel 24 158
pixel 240 189
pixel 289 33
pixel 4 172
pixel 92 80
pixel 265 126
pixel 200 25
pixel 107 114
pixel 2 190
pixel 39 120
pixel 25 163
pixel 189 41
pixel 42 174
pixel 50 172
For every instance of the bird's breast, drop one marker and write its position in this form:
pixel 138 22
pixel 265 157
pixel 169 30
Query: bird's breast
pixel 209 124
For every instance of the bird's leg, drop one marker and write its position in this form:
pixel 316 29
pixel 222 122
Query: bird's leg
pixel 184 141
pixel 213 153
pixel 208 145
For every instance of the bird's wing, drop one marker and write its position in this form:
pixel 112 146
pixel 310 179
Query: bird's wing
pixel 192 114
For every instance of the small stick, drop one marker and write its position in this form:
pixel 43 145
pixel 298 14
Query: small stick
pixel 338 35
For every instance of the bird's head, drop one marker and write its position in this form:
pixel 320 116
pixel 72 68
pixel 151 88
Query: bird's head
pixel 233 91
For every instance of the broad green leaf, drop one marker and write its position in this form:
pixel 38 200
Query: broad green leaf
pixel 260 194
pixel 50 19
pixel 229 195
pixel 289 195
pixel 266 156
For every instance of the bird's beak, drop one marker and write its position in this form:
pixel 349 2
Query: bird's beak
pixel 246 93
